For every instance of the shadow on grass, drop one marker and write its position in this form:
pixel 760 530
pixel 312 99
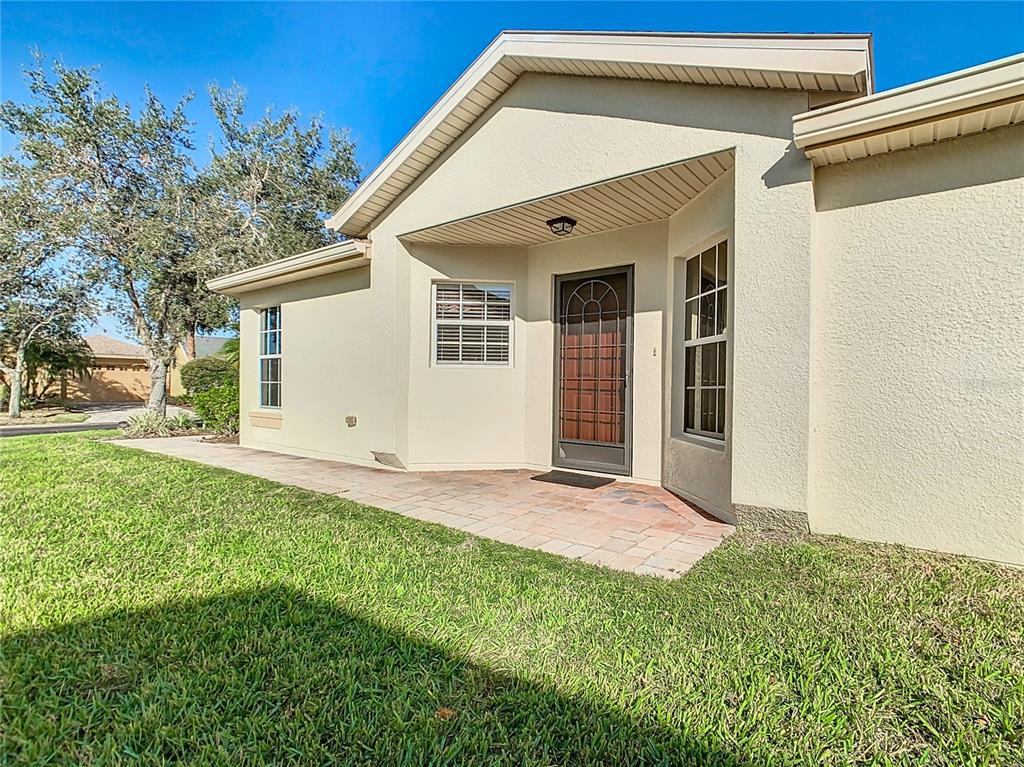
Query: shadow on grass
pixel 275 676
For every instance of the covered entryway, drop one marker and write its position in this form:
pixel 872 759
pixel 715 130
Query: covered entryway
pixel 594 313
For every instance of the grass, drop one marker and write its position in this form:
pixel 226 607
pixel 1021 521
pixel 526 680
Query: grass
pixel 157 611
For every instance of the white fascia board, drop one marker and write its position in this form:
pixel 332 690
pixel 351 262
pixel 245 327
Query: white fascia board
pixel 313 263
pixel 967 89
pixel 751 54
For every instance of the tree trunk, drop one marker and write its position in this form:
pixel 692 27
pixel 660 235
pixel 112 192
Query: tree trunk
pixel 158 372
pixel 14 406
pixel 190 343
pixel 63 387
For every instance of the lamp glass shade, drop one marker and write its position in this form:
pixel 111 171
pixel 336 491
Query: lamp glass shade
pixel 562 225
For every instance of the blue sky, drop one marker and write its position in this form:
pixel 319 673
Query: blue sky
pixel 376 68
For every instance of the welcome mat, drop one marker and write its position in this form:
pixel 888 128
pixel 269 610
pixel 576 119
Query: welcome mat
pixel 573 480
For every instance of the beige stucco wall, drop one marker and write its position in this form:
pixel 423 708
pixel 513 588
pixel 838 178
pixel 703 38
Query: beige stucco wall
pixel 696 468
pixel 465 417
pixel 550 133
pixel 337 334
pixel 917 379
pixel 644 247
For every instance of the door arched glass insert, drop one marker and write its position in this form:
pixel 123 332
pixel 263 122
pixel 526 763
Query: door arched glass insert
pixel 594 353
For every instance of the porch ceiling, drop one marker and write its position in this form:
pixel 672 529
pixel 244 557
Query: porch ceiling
pixel 649 195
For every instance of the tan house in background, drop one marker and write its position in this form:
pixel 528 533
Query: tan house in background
pixel 120 372
pixel 716 263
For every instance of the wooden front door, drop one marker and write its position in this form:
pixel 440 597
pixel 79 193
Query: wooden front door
pixel 593 398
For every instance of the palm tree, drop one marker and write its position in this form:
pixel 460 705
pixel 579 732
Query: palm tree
pixel 230 349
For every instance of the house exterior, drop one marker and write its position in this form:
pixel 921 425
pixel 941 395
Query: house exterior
pixel 119 373
pixel 717 263
pixel 120 370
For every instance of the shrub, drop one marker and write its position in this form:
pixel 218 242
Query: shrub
pixel 218 408
pixel 181 422
pixel 148 424
pixel 207 373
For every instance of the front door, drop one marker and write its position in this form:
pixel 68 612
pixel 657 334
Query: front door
pixel 594 313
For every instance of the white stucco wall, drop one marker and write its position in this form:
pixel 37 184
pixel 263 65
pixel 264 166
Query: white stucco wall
pixel 917 380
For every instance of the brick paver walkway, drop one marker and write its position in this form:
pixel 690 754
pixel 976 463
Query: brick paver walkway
pixel 621 525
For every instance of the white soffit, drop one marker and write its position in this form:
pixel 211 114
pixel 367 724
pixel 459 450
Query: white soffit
pixel 970 101
pixel 349 254
pixel 839 64
pixel 637 198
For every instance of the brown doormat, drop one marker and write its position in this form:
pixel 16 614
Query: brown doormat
pixel 573 480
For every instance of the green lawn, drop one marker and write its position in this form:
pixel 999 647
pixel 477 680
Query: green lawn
pixel 155 611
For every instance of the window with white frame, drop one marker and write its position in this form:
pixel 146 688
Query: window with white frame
pixel 704 342
pixel 472 324
pixel 270 357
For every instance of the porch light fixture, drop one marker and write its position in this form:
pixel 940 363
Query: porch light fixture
pixel 561 226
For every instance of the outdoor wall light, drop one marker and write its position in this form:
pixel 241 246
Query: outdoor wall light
pixel 561 226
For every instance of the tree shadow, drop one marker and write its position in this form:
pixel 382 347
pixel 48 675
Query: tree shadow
pixel 277 676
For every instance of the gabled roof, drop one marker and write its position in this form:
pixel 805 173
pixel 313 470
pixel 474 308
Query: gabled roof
pixel 105 346
pixel 969 101
pixel 840 64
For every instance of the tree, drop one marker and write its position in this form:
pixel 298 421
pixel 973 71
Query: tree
pixel 155 225
pixel 282 179
pixel 44 293
pixel 132 177
pixel 268 188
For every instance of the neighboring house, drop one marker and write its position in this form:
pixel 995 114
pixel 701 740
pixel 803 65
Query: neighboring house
pixel 207 346
pixel 718 263
pixel 120 372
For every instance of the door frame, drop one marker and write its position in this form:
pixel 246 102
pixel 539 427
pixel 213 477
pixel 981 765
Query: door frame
pixel 556 293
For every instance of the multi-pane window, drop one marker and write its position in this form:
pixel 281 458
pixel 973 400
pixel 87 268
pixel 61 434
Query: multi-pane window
pixel 472 324
pixel 704 344
pixel 270 357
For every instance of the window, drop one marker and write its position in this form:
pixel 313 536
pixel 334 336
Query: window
pixel 270 357
pixel 704 343
pixel 472 324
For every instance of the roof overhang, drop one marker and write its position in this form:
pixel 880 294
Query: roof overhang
pixel 349 254
pixel 970 101
pixel 837 64
pixel 653 194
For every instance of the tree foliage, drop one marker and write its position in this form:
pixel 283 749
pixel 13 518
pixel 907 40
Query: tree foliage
pixel 45 292
pixel 54 359
pixel 153 223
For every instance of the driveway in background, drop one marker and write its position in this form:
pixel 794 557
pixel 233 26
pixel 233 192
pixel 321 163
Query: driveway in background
pixel 102 415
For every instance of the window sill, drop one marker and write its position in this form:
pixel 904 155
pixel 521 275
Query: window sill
pixel 267 419
pixel 697 439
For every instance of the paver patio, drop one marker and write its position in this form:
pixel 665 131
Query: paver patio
pixel 622 525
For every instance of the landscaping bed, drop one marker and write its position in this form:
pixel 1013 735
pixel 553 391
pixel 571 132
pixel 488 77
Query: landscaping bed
pixel 37 416
pixel 156 611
